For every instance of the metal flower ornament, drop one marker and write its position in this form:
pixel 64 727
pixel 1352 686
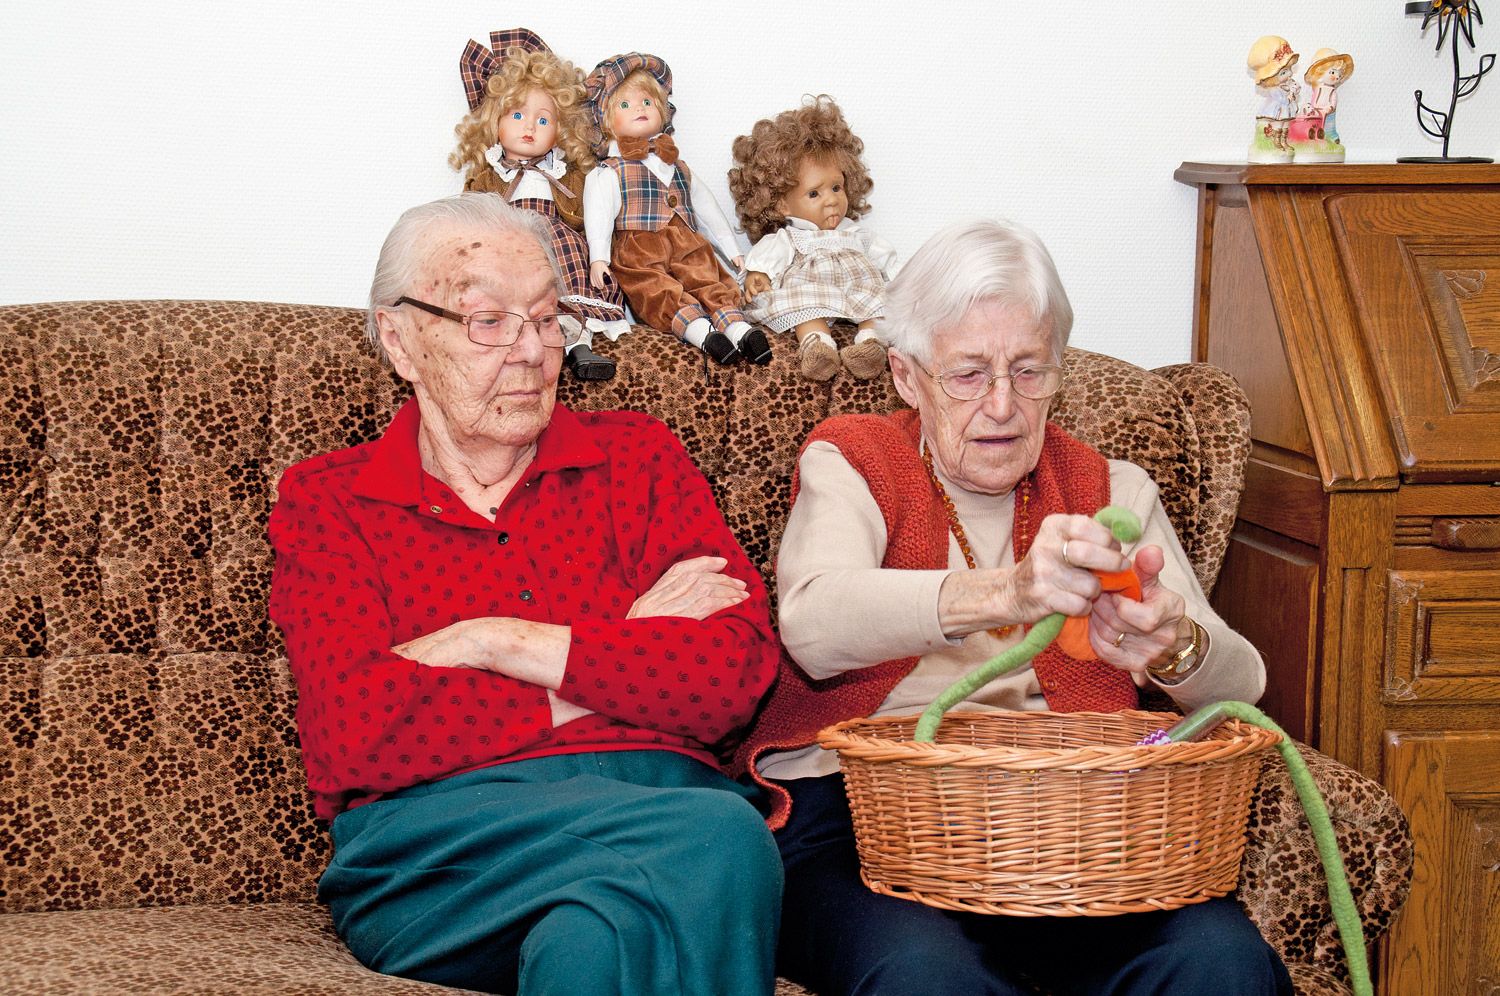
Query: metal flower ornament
pixel 1455 17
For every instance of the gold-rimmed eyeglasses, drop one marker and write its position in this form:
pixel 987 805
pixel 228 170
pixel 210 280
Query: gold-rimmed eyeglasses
pixel 1035 383
pixel 496 328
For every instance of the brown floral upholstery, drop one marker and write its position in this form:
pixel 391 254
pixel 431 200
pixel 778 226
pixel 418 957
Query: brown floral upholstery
pixel 154 825
pixel 277 948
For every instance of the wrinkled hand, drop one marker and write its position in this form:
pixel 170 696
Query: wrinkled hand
pixel 756 283
pixel 692 589
pixel 1153 627
pixel 1044 583
pixel 598 270
pixel 461 644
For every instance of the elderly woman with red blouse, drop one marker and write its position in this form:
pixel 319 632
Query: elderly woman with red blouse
pixel 517 633
pixel 919 545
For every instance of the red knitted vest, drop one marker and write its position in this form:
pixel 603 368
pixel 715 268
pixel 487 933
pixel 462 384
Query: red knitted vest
pixel 1070 477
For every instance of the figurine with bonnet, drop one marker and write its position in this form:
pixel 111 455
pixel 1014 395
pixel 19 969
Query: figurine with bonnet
pixel 1271 63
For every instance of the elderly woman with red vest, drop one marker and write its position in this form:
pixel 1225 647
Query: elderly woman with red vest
pixel 919 545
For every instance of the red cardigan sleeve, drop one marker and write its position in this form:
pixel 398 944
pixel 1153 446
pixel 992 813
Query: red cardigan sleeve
pixel 682 677
pixel 371 721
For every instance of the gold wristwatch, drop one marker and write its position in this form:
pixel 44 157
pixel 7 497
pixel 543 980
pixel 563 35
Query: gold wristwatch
pixel 1185 661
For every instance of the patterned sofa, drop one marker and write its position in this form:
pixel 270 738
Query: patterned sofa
pixel 155 834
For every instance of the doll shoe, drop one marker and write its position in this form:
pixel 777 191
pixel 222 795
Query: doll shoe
pixel 755 348
pixel 816 360
pixel 865 360
pixel 587 364
pixel 717 345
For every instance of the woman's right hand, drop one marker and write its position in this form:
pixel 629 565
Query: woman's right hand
pixel 1054 576
pixel 691 589
pixel 1041 584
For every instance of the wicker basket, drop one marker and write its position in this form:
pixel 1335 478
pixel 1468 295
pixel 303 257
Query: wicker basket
pixel 1048 814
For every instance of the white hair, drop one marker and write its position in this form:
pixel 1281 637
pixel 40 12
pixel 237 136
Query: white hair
pixel 963 265
pixel 402 256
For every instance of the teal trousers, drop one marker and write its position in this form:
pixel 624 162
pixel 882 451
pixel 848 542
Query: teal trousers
pixel 639 872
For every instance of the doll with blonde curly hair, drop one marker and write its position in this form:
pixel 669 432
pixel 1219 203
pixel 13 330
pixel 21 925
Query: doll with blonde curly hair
pixel 529 136
pixel 798 185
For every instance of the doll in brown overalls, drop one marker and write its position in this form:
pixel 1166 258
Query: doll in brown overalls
pixel 529 136
pixel 643 212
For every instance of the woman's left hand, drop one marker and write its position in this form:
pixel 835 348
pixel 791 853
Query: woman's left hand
pixel 1130 634
pixel 462 644
pixel 529 651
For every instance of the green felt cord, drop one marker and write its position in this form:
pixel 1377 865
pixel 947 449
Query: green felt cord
pixel 1121 522
pixel 1340 898
pixel 1127 529
pixel 1041 634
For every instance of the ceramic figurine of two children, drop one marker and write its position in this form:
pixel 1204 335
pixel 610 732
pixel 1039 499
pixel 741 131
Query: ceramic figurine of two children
pixel 1293 124
pixel 536 126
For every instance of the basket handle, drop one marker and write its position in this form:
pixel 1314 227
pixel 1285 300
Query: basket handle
pixel 1340 897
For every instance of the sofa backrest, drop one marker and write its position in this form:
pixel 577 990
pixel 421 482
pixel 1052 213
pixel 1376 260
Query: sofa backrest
pixel 147 749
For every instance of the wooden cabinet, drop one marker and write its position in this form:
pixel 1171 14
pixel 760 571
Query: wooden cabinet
pixel 1359 307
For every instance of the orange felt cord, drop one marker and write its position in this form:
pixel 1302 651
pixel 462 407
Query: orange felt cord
pixel 1074 638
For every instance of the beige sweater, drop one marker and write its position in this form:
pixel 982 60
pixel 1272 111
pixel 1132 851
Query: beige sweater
pixel 840 610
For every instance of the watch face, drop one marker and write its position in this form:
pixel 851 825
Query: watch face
pixel 1181 662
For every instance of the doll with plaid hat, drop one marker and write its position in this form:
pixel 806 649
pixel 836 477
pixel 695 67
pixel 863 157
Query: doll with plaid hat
pixel 643 212
pixel 529 136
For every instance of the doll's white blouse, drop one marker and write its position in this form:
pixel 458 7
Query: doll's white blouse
pixel 531 186
pixel 602 203
pixel 775 252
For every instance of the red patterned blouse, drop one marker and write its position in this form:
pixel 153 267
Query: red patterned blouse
pixel 371 551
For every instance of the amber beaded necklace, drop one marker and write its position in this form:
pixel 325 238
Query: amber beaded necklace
pixel 1022 521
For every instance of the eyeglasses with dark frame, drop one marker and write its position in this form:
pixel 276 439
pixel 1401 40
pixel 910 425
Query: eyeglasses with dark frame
pixel 1035 383
pixel 497 328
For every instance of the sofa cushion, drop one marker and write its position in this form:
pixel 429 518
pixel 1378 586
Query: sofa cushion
pixel 153 779
pixel 253 949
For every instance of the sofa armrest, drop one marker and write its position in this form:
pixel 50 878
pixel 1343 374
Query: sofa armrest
pixel 1282 886
pixel 1221 413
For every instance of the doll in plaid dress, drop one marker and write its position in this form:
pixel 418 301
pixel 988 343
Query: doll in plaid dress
pixel 646 216
pixel 529 136
pixel 798 185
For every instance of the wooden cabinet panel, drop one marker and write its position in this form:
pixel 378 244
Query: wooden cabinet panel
pixel 1268 591
pixel 1366 561
pixel 1447 938
pixel 1441 636
pixel 1254 349
pixel 1424 269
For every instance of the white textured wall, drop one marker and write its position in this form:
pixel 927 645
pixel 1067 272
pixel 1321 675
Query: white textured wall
pixel 260 150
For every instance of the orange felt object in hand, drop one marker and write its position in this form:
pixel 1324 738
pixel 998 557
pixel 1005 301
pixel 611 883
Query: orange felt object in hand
pixel 1074 638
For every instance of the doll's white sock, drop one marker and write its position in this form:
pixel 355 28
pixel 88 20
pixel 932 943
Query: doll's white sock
pixel 819 335
pixel 865 335
pixel 697 330
pixel 737 331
